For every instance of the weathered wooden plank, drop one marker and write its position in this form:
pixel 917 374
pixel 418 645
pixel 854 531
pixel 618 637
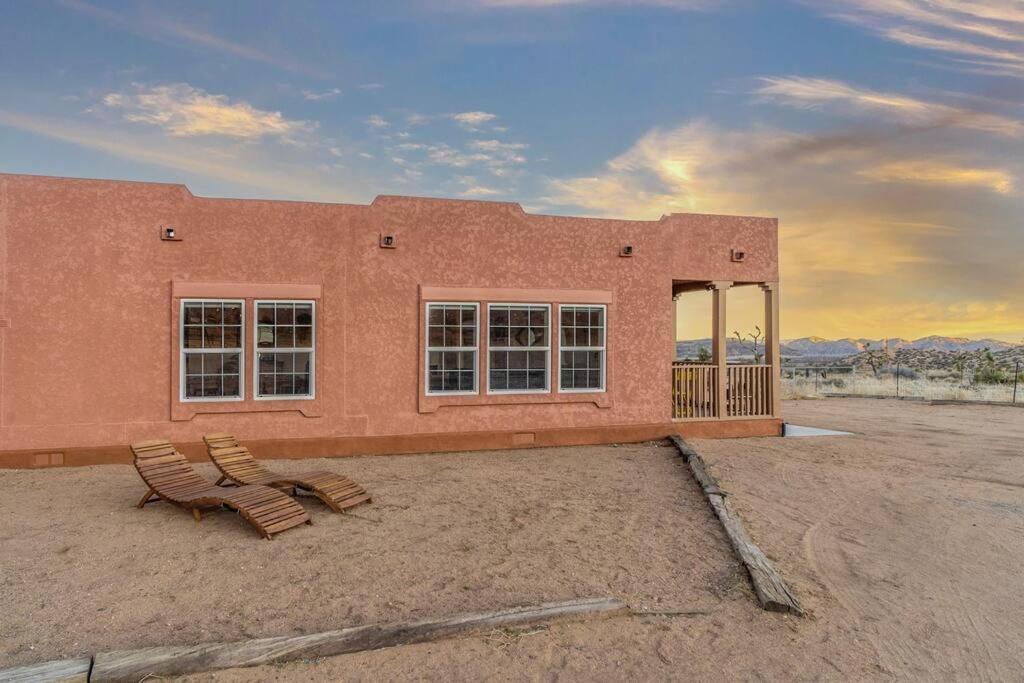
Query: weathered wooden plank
pixel 134 665
pixel 60 671
pixel 772 592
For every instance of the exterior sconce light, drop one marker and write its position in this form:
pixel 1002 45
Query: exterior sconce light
pixel 626 250
pixel 388 242
pixel 738 256
pixel 169 234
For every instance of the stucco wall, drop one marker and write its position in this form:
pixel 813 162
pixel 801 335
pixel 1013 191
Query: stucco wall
pixel 87 322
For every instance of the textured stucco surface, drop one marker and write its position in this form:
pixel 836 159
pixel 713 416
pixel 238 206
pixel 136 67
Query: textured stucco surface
pixel 87 322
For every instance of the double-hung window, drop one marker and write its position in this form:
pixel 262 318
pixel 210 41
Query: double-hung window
pixel 582 349
pixel 285 349
pixel 452 347
pixel 211 350
pixel 519 348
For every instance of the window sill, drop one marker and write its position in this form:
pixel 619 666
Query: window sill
pixel 433 403
pixel 183 411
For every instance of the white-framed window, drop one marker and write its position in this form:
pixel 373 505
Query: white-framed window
pixel 583 331
pixel 212 354
pixel 519 348
pixel 453 343
pixel 285 347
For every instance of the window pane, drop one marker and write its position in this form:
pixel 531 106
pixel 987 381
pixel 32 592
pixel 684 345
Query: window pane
pixel 435 315
pixel 302 384
pixel 265 314
pixel 499 336
pixel 304 337
pixel 285 314
pixel 231 385
pixel 283 385
pixel 264 336
pixel 194 364
pixel 193 337
pixel 535 379
pixel 211 385
pixel 285 336
pixel 232 314
pixel 499 317
pixel 468 336
pixel 212 313
pixel 303 314
pixel 212 337
pixel 194 387
pixel 212 364
pixel 231 363
pixel 233 337
pixel 193 314
pixel 300 362
pixel 266 384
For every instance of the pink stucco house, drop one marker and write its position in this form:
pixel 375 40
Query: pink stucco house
pixel 137 310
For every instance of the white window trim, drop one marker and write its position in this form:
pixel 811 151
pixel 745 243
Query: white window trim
pixel 182 354
pixel 256 350
pixel 603 349
pixel 546 350
pixel 428 348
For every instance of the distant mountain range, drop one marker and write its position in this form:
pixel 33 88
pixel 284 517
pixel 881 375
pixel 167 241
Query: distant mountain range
pixel 817 347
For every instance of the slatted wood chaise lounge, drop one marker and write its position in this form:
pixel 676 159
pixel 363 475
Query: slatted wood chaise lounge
pixel 170 477
pixel 237 464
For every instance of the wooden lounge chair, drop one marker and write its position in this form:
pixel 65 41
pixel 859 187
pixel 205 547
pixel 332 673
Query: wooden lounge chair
pixel 170 477
pixel 237 464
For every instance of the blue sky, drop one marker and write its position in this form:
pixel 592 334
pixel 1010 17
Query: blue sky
pixel 885 134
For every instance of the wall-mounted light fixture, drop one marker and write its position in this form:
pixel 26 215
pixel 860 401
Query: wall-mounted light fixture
pixel 626 250
pixel 388 241
pixel 169 233
pixel 737 256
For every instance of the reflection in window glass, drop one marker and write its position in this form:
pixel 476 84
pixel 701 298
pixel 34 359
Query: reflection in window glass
pixel 452 348
pixel 285 350
pixel 211 348
pixel 519 348
pixel 582 331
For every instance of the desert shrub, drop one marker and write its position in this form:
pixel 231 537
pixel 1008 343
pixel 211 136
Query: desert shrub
pixel 904 373
pixel 990 374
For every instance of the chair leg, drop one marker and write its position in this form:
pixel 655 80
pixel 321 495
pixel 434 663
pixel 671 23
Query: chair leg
pixel 197 514
pixel 146 498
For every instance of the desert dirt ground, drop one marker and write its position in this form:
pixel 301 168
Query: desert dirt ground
pixel 904 542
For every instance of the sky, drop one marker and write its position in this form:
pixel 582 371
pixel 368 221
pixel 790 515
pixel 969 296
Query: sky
pixel 886 135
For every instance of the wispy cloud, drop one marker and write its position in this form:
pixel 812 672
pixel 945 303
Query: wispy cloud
pixel 819 93
pixel 370 86
pixel 937 172
pixel 377 121
pixel 247 166
pixel 184 111
pixel 472 120
pixel 168 30
pixel 986 34
pixel 862 216
pixel 538 4
pixel 314 96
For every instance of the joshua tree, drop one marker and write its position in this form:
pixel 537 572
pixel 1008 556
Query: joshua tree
pixel 756 337
pixel 876 358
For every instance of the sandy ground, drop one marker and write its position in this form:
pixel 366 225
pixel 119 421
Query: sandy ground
pixel 904 542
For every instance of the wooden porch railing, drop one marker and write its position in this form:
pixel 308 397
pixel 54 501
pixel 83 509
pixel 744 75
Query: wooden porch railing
pixel 694 391
pixel 748 391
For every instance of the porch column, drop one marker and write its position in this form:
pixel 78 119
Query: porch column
pixel 718 340
pixel 772 355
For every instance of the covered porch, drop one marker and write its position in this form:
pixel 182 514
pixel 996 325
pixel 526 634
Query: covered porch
pixel 716 389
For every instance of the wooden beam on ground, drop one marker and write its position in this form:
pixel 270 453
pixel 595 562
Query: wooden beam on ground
pixel 61 671
pixel 136 665
pixel 772 592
